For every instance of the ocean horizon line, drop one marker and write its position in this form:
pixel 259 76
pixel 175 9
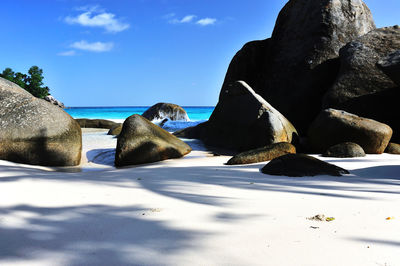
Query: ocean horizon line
pixel 138 106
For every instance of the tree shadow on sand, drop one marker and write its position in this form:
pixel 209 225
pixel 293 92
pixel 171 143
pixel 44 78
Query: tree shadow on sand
pixel 90 235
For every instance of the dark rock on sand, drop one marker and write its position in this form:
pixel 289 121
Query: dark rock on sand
pixel 140 141
pixel 393 148
pixel 243 120
pixel 262 154
pixel 332 127
pixel 96 123
pixel 390 65
pixel 297 165
pixel 115 130
pixel 34 131
pixel 161 111
pixel 359 74
pixel 345 150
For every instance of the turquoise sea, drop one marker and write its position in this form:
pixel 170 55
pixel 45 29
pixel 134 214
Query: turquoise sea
pixel 197 114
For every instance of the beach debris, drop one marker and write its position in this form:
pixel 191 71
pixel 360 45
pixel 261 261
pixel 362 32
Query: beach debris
pixel 389 218
pixel 321 218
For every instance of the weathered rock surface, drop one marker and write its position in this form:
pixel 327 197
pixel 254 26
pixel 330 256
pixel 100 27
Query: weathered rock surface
pixel 115 130
pixel 140 141
pixel 250 64
pixel 345 150
pixel 359 74
pixel 390 65
pixel 297 165
pixel 393 148
pixel 161 111
pixel 54 101
pixel 96 123
pixel 293 69
pixel 243 120
pixel 34 131
pixel 332 127
pixel 262 154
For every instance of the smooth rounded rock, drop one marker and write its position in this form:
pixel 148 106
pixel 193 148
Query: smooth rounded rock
pixel 262 154
pixel 345 150
pixel 298 165
pixel 34 131
pixel 332 127
pixel 393 148
pixel 243 121
pixel 96 123
pixel 161 111
pixel 140 142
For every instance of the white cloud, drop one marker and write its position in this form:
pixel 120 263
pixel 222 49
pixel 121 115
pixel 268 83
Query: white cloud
pixel 94 16
pixel 206 21
pixel 188 18
pixel 185 19
pixel 93 47
pixel 67 53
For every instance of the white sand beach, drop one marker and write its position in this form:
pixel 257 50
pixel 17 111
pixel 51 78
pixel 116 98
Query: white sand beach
pixel 198 211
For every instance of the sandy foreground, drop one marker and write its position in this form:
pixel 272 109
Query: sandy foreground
pixel 197 211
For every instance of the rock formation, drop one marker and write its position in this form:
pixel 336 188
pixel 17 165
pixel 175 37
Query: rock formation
pixel 332 127
pixel 390 65
pixel 96 123
pixel 298 165
pixel 161 111
pixel 243 120
pixel 263 154
pixel 33 131
pixel 359 74
pixel 140 141
pixel 345 150
pixel 54 101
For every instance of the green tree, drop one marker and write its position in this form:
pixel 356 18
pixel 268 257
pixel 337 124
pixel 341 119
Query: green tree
pixel 33 82
pixel 8 74
pixel 20 79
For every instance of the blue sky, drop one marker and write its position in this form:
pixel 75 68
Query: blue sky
pixel 139 52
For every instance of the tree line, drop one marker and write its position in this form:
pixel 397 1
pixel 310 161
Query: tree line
pixel 31 82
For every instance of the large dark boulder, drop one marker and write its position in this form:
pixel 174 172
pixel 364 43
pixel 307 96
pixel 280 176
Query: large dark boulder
pixel 305 44
pixel 298 165
pixel 295 67
pixel 262 154
pixel 390 65
pixel 345 150
pixel 34 131
pixel 359 73
pixel 250 64
pixel 96 123
pixel 243 120
pixel 161 111
pixel 332 127
pixel 140 141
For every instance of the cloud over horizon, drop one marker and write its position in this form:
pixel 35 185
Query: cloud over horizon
pixel 94 16
pixel 97 47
